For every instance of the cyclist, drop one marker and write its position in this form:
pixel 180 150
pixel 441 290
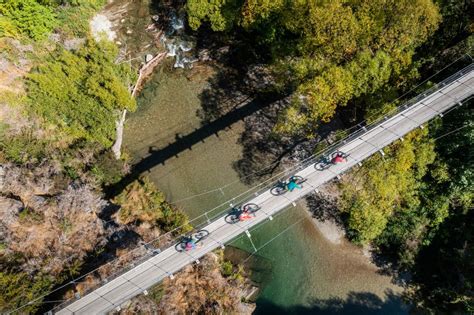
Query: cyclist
pixel 245 215
pixel 291 185
pixel 339 158
pixel 190 244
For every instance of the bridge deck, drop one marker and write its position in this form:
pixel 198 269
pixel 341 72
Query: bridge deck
pixel 368 142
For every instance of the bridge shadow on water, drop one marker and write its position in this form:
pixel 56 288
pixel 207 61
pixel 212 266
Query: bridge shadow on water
pixel 356 303
pixel 182 143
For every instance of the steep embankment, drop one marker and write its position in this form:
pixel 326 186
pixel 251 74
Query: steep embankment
pixel 214 286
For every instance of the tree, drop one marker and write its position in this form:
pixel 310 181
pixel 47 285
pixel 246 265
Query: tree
pixel 18 287
pixel 345 50
pixel 219 13
pixel 386 185
pixel 255 10
pixel 142 202
pixel 326 52
pixel 82 92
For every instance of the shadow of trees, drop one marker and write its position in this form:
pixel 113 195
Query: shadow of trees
pixel 324 207
pixel 265 153
pixel 234 82
pixel 444 270
pixel 262 151
pixel 227 91
pixel 234 86
pixel 356 303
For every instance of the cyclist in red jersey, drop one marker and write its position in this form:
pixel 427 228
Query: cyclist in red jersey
pixel 339 158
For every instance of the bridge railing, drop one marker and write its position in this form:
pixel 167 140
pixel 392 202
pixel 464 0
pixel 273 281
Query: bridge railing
pixel 364 126
pixel 119 266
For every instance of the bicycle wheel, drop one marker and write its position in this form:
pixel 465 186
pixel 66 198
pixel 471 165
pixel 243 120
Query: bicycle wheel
pixel 278 190
pixel 251 207
pixel 334 154
pixel 180 247
pixel 298 179
pixel 200 235
pixel 321 166
pixel 232 218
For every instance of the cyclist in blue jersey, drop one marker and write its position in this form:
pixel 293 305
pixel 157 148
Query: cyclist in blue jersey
pixel 291 185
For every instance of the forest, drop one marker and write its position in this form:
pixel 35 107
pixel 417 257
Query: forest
pixel 345 60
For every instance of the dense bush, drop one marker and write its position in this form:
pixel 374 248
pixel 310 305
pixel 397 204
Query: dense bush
pixel 418 211
pixel 74 16
pixel 386 185
pixel 22 148
pixel 26 17
pixel 18 287
pixel 82 92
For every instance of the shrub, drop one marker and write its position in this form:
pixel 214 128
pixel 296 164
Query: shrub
pixel 26 17
pixel 22 148
pixel 74 16
pixel 28 215
pixel 82 92
pixel 227 269
pixel 107 169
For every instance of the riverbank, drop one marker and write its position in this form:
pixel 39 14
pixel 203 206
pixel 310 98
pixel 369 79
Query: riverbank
pixel 212 286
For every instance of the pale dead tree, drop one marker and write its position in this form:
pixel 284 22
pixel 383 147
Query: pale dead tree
pixel 50 226
pixel 144 73
pixel 116 148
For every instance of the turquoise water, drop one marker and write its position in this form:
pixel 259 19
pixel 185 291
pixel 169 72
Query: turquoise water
pixel 312 276
pixel 308 274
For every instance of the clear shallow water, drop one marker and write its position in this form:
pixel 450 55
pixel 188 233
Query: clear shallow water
pixel 309 275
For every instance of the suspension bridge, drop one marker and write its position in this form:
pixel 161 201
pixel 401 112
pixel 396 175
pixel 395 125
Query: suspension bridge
pixel 367 140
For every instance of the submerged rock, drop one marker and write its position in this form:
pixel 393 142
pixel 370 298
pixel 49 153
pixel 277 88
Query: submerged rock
pixel 100 26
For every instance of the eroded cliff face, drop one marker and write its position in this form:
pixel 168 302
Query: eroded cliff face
pixel 202 288
pixel 45 224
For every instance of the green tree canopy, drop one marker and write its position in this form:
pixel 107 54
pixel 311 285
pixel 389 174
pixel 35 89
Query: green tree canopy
pixel 17 288
pixel 385 185
pixel 81 92
pixel 329 51
pixel 219 13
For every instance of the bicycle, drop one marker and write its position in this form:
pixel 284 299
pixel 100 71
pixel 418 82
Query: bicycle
pixel 328 161
pixel 282 186
pixel 243 213
pixel 195 238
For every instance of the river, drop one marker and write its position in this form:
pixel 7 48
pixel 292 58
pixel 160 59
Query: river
pixel 308 273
